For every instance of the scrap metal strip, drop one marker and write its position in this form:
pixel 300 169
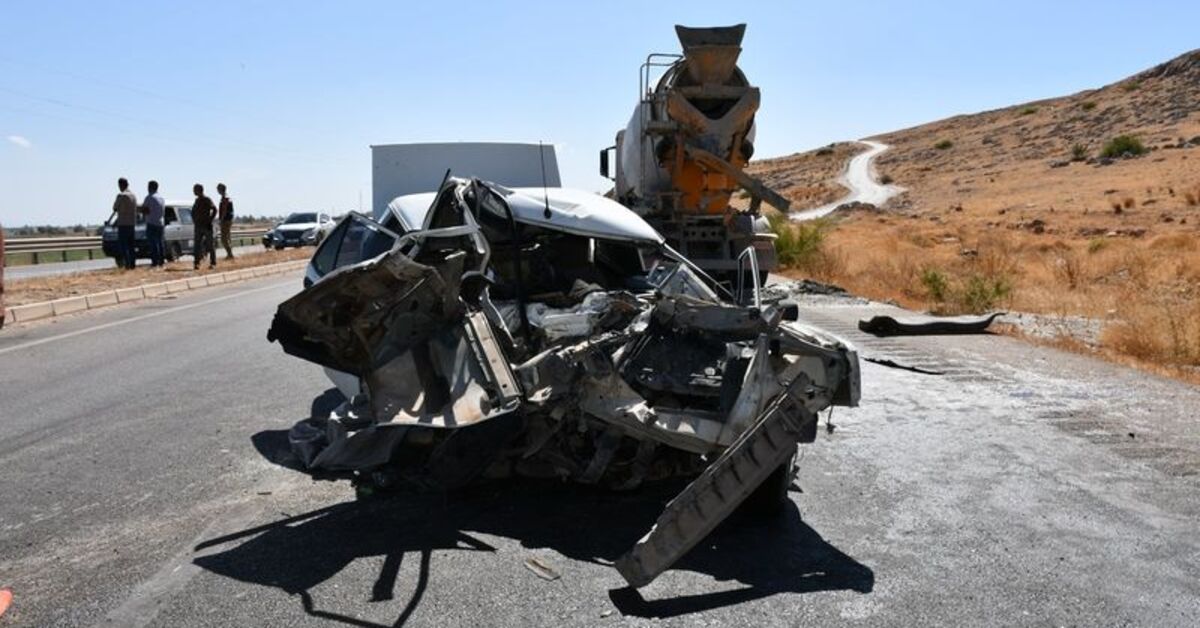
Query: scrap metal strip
pixel 728 481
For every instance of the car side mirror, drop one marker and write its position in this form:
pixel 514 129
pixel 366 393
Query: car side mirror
pixel 604 169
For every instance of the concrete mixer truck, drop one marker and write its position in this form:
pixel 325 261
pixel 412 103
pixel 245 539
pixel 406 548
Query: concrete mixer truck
pixel 682 156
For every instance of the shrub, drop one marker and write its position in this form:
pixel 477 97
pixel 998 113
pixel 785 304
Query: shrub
pixel 826 151
pixel 1122 144
pixel 943 145
pixel 1088 105
pixel 1095 245
pixel 1128 203
pixel 797 244
pixel 1191 199
pixel 982 294
pixel 937 286
pixel 1069 270
pixel 1079 152
pixel 886 179
pixel 1028 111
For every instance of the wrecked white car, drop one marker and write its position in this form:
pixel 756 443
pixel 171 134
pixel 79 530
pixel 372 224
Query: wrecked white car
pixel 494 332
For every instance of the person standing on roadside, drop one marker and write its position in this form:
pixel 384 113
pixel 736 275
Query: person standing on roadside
pixel 125 207
pixel 153 207
pixel 225 215
pixel 203 212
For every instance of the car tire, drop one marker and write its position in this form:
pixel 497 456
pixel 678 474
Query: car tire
pixel 278 247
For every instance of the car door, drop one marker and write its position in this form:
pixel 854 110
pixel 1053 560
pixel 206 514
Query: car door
pixel 395 320
pixel 187 231
pixel 171 227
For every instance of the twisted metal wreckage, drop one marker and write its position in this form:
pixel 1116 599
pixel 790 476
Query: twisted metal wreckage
pixel 553 333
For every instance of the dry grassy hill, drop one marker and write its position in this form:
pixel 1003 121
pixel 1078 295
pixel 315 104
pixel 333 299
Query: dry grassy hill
pixel 1048 153
pixel 1081 206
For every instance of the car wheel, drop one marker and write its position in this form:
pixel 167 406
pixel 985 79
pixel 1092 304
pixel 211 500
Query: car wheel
pixel 375 485
pixel 278 247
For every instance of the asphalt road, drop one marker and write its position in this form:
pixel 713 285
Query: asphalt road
pixel 859 179
pixel 26 271
pixel 134 491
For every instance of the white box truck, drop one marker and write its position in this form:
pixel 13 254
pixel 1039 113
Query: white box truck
pixel 400 169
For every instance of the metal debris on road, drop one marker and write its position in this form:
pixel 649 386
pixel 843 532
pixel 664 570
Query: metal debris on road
pixel 541 569
pixel 927 325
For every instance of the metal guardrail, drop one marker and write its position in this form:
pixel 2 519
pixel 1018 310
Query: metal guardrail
pixel 41 248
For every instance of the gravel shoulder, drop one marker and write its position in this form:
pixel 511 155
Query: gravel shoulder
pixel 20 291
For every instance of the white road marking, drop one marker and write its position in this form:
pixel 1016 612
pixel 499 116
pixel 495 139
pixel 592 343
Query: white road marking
pixel 180 308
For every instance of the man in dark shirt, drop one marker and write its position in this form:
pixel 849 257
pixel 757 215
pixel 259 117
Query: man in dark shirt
pixel 203 212
pixel 125 207
pixel 225 215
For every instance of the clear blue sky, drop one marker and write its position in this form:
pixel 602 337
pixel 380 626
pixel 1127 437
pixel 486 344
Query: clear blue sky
pixel 282 99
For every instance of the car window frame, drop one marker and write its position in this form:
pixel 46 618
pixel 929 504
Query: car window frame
pixel 337 236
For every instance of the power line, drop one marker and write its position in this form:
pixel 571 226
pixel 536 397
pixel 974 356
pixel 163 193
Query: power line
pixel 190 137
pixel 158 95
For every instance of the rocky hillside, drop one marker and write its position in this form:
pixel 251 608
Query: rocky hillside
pixel 1060 153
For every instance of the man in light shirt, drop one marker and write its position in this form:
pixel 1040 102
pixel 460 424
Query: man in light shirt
pixel 154 207
pixel 125 207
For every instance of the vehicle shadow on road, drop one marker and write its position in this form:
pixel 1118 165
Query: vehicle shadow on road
pixel 771 556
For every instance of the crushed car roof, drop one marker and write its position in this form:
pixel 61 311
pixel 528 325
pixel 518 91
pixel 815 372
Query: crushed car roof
pixel 571 211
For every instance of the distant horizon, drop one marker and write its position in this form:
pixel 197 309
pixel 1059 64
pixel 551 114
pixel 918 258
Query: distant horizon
pixel 283 105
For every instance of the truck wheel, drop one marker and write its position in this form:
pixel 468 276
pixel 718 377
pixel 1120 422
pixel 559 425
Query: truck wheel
pixel 772 495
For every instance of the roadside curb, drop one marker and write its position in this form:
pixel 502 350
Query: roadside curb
pixel 70 305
